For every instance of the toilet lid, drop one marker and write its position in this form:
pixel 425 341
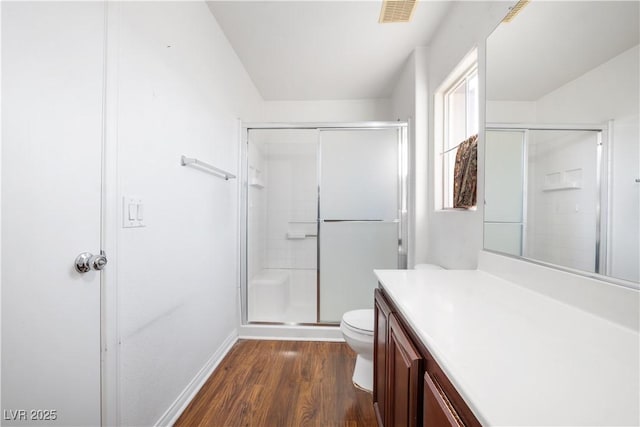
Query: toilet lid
pixel 359 319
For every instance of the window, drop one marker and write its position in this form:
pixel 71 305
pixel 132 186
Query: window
pixel 457 103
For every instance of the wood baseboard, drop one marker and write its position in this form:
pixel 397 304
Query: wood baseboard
pixel 291 333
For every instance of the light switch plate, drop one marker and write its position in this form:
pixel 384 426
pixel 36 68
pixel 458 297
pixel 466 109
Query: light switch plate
pixel 132 208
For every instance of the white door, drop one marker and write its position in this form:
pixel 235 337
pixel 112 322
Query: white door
pixel 52 95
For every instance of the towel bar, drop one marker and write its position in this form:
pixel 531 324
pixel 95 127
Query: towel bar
pixel 185 161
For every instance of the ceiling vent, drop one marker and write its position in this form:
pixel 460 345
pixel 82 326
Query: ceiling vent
pixel 397 11
pixel 515 10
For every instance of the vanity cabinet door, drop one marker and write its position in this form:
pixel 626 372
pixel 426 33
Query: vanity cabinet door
pixel 380 351
pixel 437 411
pixel 405 368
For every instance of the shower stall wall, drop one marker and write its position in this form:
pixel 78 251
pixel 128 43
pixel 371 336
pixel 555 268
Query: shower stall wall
pixel 323 206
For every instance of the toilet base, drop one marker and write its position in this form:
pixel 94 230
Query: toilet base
pixel 363 374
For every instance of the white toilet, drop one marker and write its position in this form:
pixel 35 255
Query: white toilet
pixel 357 329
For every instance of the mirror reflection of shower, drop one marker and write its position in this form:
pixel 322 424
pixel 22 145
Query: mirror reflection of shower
pixel 324 208
pixel 542 196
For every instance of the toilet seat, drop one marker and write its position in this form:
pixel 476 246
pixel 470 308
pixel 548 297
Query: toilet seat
pixel 359 320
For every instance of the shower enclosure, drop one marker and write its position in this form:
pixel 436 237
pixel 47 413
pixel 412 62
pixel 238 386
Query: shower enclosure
pixel 323 206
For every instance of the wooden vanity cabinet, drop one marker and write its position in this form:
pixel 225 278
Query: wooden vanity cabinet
pixel 409 388
pixel 397 369
pixel 437 409
pixel 404 369
pixel 382 311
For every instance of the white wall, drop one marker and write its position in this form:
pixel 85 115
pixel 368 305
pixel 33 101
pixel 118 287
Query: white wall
pixel 404 93
pixel 180 90
pixel 410 102
pixel 324 111
pixel 403 108
pixel 511 111
pixel 608 91
pixel 455 236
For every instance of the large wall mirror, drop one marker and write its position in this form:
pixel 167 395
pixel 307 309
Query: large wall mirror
pixel 562 153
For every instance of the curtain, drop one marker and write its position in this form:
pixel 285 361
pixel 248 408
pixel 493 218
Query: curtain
pixel 466 174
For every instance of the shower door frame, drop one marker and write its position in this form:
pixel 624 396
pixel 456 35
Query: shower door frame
pixel 243 194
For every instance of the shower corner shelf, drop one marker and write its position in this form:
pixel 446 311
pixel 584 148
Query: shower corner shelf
pixel 256 183
pixel 255 177
pixel 562 187
pixel 570 179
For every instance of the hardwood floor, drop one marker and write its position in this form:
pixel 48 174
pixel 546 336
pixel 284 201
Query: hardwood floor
pixel 282 384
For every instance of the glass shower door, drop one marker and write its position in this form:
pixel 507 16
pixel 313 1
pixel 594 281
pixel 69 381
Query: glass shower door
pixel 282 207
pixel 358 216
pixel 504 178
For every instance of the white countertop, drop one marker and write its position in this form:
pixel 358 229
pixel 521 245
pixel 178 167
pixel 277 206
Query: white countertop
pixel 518 357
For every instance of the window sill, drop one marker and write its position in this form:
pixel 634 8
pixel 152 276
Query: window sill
pixel 443 210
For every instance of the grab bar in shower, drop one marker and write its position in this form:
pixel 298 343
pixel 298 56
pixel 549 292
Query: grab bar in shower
pixel 185 161
pixel 299 236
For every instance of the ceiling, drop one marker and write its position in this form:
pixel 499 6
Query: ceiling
pixel 551 43
pixel 323 50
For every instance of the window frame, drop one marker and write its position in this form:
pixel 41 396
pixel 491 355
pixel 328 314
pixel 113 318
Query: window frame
pixel 461 75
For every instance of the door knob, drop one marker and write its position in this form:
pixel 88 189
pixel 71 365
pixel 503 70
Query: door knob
pixel 98 262
pixel 86 261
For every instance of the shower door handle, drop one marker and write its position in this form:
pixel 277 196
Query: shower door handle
pixel 86 262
